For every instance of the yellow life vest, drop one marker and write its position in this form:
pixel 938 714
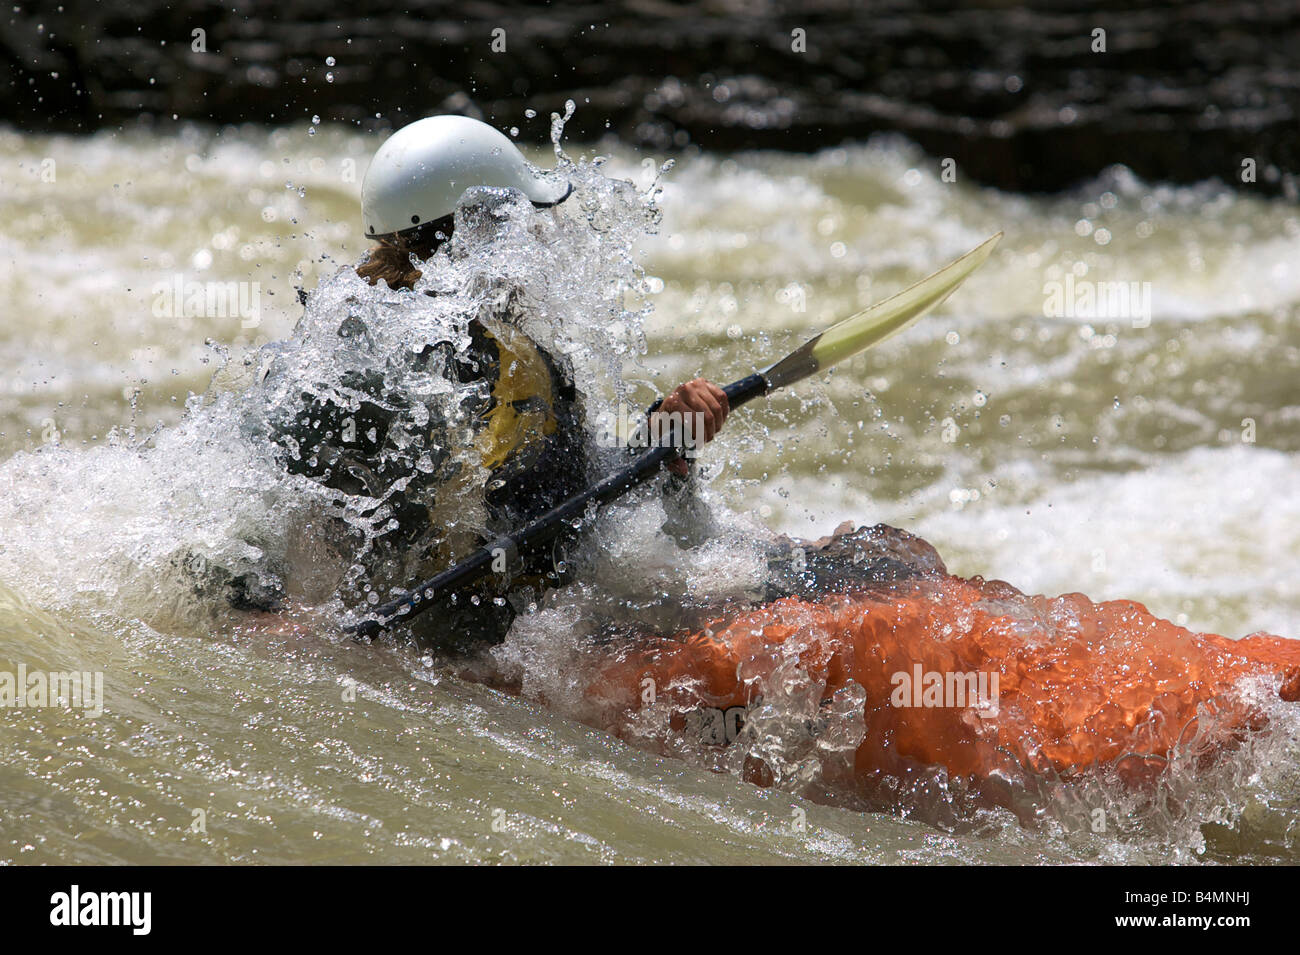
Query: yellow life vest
pixel 522 412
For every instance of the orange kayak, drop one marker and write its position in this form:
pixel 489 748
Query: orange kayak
pixel 928 671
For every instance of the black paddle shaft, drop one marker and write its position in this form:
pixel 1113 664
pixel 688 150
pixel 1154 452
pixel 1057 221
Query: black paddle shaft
pixel 543 530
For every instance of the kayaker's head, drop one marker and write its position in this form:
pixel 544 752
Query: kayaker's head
pixel 414 183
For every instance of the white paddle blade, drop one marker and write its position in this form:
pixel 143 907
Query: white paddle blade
pixel 877 322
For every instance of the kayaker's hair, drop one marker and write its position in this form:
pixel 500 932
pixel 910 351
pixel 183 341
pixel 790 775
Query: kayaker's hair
pixel 390 260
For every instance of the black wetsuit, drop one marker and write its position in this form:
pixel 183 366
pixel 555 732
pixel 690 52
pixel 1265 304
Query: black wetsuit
pixel 519 409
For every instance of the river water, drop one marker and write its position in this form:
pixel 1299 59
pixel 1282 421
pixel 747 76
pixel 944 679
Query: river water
pixel 1146 448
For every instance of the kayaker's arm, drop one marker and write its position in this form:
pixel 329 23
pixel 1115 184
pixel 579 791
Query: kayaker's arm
pixel 689 520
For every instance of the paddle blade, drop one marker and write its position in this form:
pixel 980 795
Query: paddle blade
pixel 879 321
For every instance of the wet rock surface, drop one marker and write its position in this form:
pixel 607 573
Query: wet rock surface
pixel 1014 93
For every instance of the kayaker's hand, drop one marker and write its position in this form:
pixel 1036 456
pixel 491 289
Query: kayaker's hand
pixel 695 397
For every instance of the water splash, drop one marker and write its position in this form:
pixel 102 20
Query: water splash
pixel 174 520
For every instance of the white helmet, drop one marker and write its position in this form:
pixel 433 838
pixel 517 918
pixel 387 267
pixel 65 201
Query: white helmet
pixel 421 171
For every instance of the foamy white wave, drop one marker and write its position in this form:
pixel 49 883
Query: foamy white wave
pixel 1209 538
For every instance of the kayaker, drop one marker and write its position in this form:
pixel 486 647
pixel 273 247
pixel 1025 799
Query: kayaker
pixel 529 430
